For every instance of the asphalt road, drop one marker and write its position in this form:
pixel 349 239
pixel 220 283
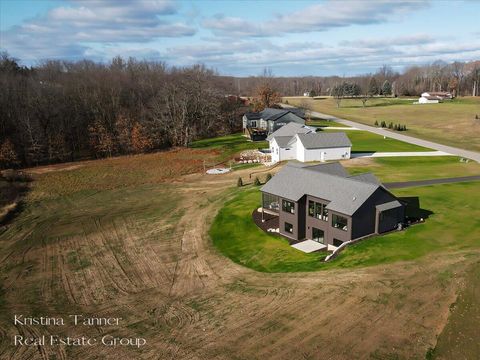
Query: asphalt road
pixel 409 139
pixel 405 184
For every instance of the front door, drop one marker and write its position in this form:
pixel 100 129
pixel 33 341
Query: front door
pixel 317 235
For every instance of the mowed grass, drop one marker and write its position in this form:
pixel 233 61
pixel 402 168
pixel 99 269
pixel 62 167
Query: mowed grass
pixel 364 141
pixel 451 122
pixel 228 146
pixel 453 225
pixel 393 169
pixel 236 236
pixel 459 338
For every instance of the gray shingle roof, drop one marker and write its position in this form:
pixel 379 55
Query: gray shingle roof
pixel 345 194
pixel 389 205
pixel 324 140
pixel 283 141
pixel 367 177
pixel 290 130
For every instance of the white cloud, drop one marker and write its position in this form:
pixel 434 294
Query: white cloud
pixel 319 17
pixel 68 31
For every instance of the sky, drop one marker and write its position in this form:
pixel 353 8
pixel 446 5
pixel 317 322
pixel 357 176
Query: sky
pixel 241 38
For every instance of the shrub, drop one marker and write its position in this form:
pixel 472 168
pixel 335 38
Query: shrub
pixel 268 177
pixel 390 126
pixel 476 116
pixel 257 182
pixel 396 127
pixel 239 182
pixel 286 101
pixel 383 124
pixel 376 123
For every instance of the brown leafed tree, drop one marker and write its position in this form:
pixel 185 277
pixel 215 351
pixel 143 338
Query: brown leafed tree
pixel 101 140
pixel 265 97
pixel 141 142
pixel 8 155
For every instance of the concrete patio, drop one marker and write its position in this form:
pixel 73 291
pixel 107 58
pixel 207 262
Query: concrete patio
pixel 309 246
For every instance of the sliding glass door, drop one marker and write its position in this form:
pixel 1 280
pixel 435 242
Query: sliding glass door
pixel 317 235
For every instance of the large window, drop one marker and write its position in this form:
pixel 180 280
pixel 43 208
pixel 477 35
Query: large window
pixel 253 124
pixel 317 210
pixel 288 206
pixel 289 228
pixel 339 222
pixel 270 202
pixel 318 235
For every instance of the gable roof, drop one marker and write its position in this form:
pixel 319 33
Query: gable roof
pixel 290 130
pixel 271 114
pixel 282 141
pixel 324 140
pixel 345 194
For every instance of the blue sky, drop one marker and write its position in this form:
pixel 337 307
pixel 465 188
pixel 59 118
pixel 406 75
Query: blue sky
pixel 243 37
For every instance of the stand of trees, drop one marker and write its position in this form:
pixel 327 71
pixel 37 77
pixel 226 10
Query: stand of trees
pixel 460 78
pixel 64 111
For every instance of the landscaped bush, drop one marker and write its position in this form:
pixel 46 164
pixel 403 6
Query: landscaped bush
pixel 239 182
pixel 257 182
pixel 376 123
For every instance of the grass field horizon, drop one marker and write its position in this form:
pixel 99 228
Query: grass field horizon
pixel 451 122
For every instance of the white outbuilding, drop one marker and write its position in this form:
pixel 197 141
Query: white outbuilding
pixel 302 143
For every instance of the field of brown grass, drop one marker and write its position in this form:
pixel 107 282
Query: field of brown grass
pixel 128 237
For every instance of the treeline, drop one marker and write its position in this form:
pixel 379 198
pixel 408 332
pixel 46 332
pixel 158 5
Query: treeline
pixel 460 78
pixel 64 111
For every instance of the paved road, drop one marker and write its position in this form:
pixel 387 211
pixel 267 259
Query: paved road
pixel 405 184
pixel 398 153
pixel 409 139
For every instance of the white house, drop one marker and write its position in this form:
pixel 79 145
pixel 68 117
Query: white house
pixel 302 143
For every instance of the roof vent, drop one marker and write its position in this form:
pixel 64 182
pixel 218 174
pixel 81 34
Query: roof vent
pixel 354 198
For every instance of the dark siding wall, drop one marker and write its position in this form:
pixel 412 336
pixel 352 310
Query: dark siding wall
pixel 390 219
pixel 365 217
pixel 301 218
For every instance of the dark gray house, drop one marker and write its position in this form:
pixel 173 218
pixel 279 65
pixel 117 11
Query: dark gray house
pixel 326 204
pixel 258 125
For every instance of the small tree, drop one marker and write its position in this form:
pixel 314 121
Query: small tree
pixel 390 126
pixel 395 127
pixel 140 141
pixel 239 182
pixel 338 93
pixel 383 124
pixel 257 182
pixel 376 123
pixel 386 88
pixel 372 87
pixel 313 93
pixel 268 177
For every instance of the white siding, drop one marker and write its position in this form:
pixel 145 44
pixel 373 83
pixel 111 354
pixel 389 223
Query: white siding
pixel 328 154
pixel 424 100
pixel 274 151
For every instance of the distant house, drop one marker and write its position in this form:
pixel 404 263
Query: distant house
pixel 434 97
pixel 299 142
pixel 306 93
pixel 258 125
pixel 441 95
pixel 325 204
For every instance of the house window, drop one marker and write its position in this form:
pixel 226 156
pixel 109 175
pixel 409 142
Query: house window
pixel 317 210
pixel 339 222
pixel 288 228
pixel 311 208
pixel 288 206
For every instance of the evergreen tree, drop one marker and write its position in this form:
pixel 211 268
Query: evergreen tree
pixel 373 87
pixel 386 88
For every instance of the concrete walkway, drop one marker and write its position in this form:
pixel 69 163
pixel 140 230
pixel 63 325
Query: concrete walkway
pixel 405 184
pixel 337 128
pixel 409 139
pixel 398 153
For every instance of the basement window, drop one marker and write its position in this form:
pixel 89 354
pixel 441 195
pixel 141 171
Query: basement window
pixel 288 228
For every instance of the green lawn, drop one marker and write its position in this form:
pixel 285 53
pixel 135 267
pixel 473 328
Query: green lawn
pixel 229 145
pixel 451 122
pixel 392 169
pixel 324 123
pixel 364 141
pixel 236 236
